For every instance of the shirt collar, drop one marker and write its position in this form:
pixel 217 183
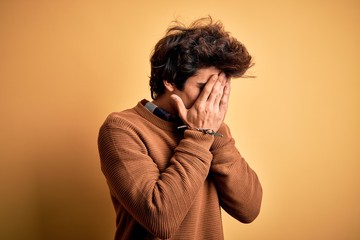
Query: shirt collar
pixel 159 112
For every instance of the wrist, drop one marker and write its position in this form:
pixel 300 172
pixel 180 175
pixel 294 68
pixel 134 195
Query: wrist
pixel 203 130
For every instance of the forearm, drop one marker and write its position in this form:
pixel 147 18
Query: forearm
pixel 238 186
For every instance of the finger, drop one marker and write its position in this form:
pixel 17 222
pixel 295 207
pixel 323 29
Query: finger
pixel 216 92
pixel 180 106
pixel 220 91
pixel 225 97
pixel 205 93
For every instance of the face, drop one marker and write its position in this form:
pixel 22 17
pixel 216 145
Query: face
pixel 195 84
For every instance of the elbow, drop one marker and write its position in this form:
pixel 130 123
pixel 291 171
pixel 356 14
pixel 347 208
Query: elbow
pixel 250 210
pixel 253 209
pixel 250 216
pixel 161 222
pixel 245 214
pixel 162 229
pixel 163 234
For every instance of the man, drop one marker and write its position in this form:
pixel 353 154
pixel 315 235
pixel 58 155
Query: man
pixel 172 163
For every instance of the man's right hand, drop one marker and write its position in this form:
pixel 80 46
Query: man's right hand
pixel 209 109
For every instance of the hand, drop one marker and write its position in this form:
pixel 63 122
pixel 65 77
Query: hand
pixel 210 107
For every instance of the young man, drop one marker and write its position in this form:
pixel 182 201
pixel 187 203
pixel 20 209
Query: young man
pixel 172 163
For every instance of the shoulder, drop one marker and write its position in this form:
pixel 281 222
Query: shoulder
pixel 121 128
pixel 125 118
pixel 138 120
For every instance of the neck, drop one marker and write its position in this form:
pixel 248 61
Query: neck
pixel 166 103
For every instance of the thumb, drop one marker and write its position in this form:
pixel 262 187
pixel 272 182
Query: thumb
pixel 180 106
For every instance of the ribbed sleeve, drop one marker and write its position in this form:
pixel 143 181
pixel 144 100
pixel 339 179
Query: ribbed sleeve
pixel 238 186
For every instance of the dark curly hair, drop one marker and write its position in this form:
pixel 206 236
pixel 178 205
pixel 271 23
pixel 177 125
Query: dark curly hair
pixel 184 50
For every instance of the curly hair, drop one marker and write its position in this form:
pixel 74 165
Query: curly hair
pixel 184 50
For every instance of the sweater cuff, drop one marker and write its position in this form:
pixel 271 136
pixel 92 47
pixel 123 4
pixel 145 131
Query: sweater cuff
pixel 220 142
pixel 199 138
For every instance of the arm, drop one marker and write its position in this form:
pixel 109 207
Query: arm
pixel 157 200
pixel 238 186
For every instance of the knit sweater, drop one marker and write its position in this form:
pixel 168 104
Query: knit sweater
pixel 167 183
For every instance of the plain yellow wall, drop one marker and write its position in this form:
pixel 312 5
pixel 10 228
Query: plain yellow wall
pixel 64 65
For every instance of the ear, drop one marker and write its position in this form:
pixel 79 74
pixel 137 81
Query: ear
pixel 169 86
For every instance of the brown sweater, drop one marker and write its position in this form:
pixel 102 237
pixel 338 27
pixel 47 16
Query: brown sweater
pixel 170 184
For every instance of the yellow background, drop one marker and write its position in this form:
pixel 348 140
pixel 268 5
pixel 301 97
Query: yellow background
pixel 64 65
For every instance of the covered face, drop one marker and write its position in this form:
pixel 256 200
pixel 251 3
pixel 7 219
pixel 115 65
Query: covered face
pixel 194 84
